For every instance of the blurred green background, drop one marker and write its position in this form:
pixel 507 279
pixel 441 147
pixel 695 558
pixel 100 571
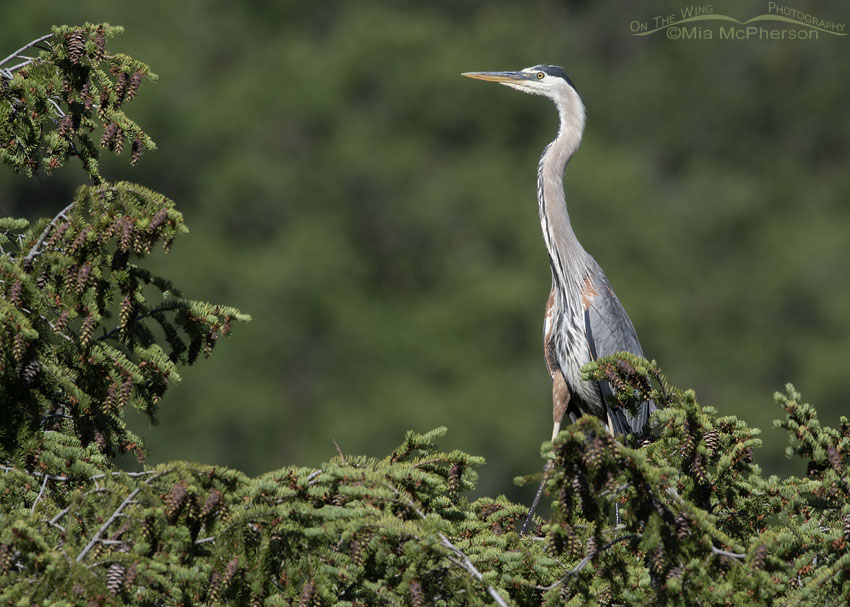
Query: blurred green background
pixel 375 213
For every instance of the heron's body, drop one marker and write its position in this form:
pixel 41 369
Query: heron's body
pixel 584 319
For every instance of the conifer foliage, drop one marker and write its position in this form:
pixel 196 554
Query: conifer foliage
pixel 85 329
pixel 684 516
pixel 55 101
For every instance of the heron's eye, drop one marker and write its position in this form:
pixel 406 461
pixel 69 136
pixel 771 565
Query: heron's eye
pixel 540 75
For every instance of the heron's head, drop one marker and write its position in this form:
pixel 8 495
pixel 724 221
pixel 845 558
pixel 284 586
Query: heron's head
pixel 548 80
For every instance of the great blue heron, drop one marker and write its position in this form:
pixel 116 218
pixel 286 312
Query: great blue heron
pixel 584 319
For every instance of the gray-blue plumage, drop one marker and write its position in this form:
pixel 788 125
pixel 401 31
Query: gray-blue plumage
pixel 609 330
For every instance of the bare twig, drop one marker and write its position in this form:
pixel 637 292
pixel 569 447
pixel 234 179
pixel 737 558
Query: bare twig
pixel 313 475
pixel 56 477
pixel 467 564
pixel 106 525
pixel 615 491
pixel 52 477
pixel 61 215
pixel 583 562
pixel 464 561
pixel 25 47
pixel 205 540
pixel 130 474
pixel 15 68
pixel 52 326
pixel 734 555
pixel 54 522
pixel 127 501
pixel 56 105
pixel 339 451
pixel 38 497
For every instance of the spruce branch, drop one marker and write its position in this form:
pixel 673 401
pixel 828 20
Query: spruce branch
pixel 54 522
pixel 696 514
pixel 734 555
pixel 63 214
pixel 389 532
pixel 40 493
pixel 589 557
pixel 22 49
pixel 464 561
pixel 112 518
pixel 338 451
pixel 140 474
pixel 166 307
pixel 94 477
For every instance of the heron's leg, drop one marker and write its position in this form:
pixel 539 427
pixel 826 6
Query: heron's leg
pixel 528 517
pixel 611 431
pixel 560 400
pixel 560 392
pixel 610 422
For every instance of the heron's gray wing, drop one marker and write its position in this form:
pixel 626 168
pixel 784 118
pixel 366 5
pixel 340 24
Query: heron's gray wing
pixel 609 331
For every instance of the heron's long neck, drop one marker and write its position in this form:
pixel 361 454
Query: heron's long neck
pixel 567 256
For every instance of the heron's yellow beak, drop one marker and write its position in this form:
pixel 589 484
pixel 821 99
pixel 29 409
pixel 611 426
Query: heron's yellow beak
pixel 499 76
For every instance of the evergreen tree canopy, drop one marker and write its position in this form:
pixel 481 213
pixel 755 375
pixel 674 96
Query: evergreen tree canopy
pixel 376 214
pixel 86 331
